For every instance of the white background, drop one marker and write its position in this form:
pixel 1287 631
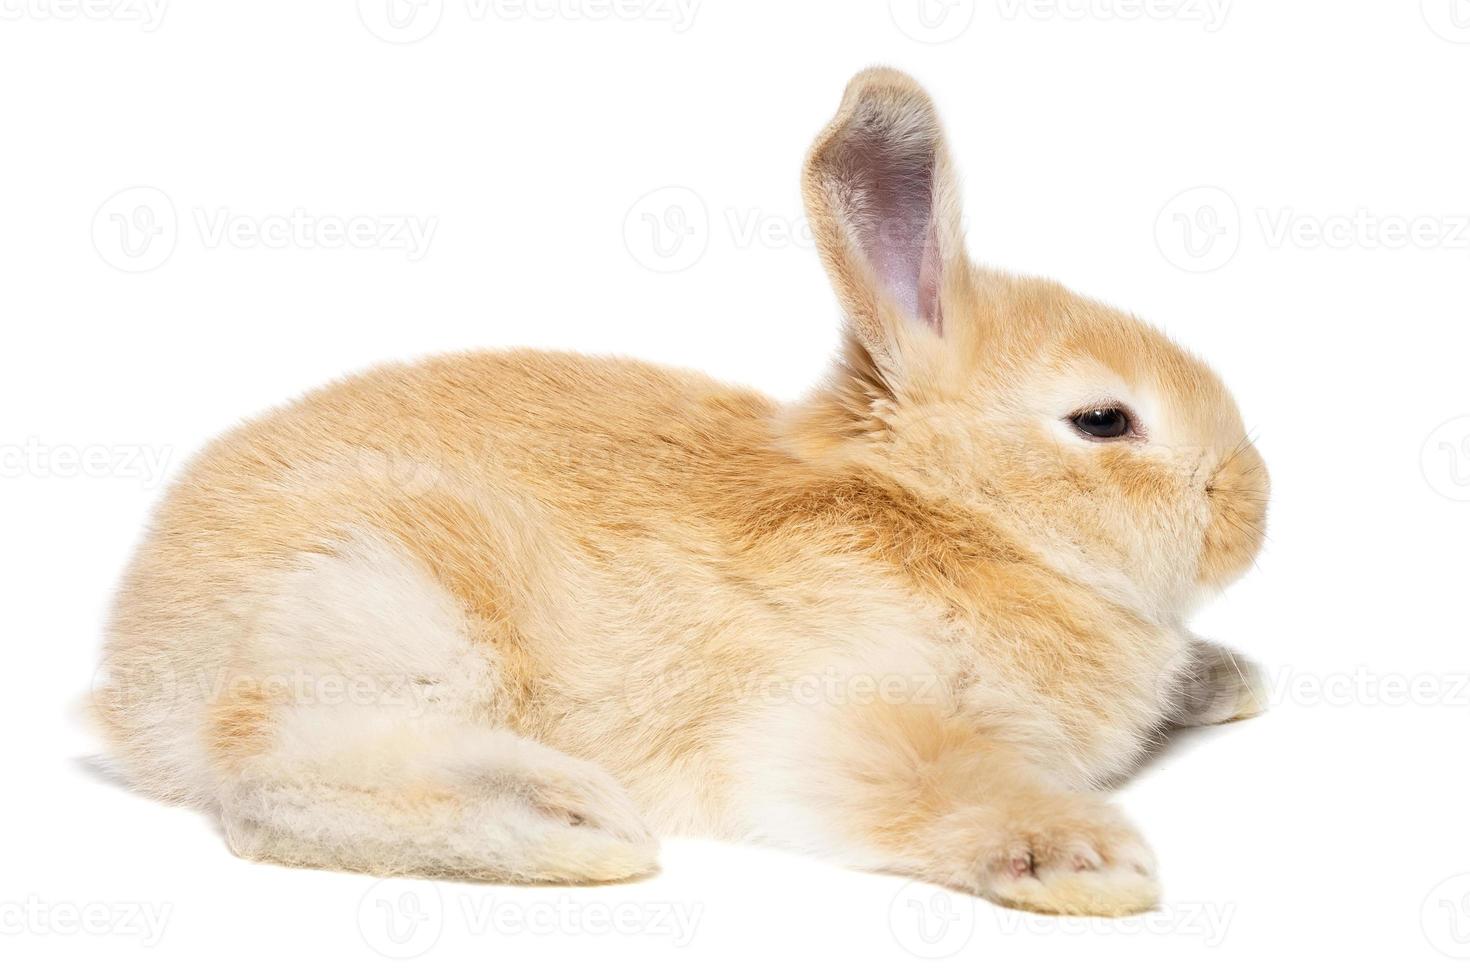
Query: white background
pixel 523 139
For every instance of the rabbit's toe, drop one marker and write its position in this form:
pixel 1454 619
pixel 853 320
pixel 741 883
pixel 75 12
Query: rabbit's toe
pixel 1074 863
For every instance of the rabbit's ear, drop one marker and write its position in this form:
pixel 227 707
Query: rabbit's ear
pixel 883 204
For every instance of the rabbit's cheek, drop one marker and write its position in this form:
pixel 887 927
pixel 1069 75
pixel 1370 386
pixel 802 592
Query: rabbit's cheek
pixel 1153 494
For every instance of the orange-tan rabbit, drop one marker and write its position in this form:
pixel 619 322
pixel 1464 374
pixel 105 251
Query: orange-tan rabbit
pixel 514 615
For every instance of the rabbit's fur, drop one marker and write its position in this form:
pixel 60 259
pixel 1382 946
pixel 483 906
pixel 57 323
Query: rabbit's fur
pixel 512 615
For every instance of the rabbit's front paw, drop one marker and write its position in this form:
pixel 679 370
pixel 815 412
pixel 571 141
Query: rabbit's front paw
pixel 1217 685
pixel 1071 856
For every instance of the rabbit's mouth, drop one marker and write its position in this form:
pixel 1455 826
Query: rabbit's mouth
pixel 1237 493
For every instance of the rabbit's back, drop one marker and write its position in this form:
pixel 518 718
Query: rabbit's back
pixel 518 482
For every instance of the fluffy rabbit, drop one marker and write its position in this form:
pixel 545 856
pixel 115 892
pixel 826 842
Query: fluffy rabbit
pixel 512 615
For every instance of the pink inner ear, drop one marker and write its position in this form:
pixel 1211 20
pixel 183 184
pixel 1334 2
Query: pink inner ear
pixel 930 275
pixel 895 221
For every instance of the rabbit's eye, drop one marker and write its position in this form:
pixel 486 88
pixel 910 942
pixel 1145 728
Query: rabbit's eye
pixel 1104 423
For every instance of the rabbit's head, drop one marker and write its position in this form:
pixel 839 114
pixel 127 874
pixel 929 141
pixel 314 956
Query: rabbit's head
pixel 1115 453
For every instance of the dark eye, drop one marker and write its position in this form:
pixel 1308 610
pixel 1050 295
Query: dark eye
pixel 1104 423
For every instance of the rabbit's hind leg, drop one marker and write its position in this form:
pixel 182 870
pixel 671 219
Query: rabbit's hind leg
pixel 438 799
pixel 362 728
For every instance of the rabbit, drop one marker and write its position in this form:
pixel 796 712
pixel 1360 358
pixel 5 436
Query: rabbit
pixel 514 616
